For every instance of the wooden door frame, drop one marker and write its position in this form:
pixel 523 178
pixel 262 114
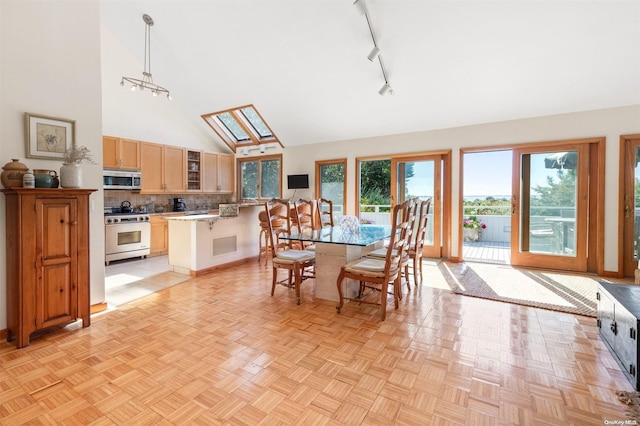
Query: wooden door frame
pixel 597 148
pixel 447 185
pixel 437 196
pixel 626 184
pixel 578 262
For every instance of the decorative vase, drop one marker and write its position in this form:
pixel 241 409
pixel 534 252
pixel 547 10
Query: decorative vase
pixel 71 175
pixel 43 178
pixel 349 224
pixel 12 173
pixel 471 234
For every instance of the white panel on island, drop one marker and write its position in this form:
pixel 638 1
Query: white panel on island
pixel 201 243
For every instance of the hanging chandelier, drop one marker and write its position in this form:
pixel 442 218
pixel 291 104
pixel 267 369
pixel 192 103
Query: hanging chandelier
pixel 147 79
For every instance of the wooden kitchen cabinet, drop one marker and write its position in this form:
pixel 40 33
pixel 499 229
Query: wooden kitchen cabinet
pixel 218 173
pixel 226 173
pixel 119 153
pixel 160 234
pixel 194 171
pixel 163 168
pixel 47 259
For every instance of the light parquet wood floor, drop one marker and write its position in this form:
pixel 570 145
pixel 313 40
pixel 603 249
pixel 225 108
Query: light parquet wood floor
pixel 219 350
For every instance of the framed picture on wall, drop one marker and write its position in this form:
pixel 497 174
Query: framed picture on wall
pixel 48 137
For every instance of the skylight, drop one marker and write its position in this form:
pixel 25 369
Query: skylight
pixel 233 127
pixel 241 127
pixel 256 122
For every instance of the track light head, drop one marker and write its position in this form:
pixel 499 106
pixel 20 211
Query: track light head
pixel 262 149
pixel 385 89
pixel 245 151
pixel 373 54
pixel 361 5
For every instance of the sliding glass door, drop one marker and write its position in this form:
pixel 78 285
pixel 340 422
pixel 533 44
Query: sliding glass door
pixel 550 207
pixel 630 160
pixel 421 177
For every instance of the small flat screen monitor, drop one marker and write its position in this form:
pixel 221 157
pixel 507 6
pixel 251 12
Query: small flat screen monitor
pixel 298 181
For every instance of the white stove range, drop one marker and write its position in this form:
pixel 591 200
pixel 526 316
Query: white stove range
pixel 127 235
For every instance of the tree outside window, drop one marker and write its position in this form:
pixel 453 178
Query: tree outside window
pixel 260 178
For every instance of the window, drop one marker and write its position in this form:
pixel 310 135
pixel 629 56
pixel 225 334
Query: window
pixel 331 183
pixel 260 178
pixel 241 127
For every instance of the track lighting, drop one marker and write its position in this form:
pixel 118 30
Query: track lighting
pixel 147 78
pixel 361 5
pixel 385 89
pixel 262 149
pixel 373 54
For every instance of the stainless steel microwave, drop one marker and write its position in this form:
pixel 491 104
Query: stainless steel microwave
pixel 120 179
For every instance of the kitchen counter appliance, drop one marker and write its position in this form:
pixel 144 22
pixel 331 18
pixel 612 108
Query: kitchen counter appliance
pixel 119 179
pixel 127 235
pixel 179 205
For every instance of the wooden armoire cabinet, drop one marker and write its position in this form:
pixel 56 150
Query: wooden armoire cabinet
pixel 47 259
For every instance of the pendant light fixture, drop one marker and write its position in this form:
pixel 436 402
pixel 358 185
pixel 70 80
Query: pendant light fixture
pixel 147 79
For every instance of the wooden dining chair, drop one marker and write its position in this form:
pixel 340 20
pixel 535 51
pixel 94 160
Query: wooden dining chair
pixel 324 215
pixel 263 239
pixel 303 220
pixel 417 244
pixel 294 261
pixel 375 274
pixel 405 259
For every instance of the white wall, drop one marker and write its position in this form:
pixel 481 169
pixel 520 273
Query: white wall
pixel 140 116
pixel 610 123
pixel 49 65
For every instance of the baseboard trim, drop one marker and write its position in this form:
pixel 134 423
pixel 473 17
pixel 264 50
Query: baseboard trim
pixel 98 307
pixel 206 271
pixel 612 274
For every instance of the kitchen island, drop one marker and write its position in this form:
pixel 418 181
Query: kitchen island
pixel 202 243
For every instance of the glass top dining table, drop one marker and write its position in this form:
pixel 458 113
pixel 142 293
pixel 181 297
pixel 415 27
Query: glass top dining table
pixel 364 235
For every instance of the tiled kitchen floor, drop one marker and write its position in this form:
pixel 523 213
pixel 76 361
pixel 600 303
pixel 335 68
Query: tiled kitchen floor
pixel 131 279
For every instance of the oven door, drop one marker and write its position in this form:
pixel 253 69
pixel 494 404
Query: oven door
pixel 127 237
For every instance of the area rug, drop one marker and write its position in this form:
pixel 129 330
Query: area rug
pixel 575 294
pixel 632 400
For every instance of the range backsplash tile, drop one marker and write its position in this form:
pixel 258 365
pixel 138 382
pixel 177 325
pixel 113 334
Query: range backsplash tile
pixel 113 198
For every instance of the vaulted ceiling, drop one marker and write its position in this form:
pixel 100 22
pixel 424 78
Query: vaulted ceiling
pixel 304 65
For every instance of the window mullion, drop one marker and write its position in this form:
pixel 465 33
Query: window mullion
pixel 247 129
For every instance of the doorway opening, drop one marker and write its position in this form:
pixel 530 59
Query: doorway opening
pixel 552 215
pixel 486 206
